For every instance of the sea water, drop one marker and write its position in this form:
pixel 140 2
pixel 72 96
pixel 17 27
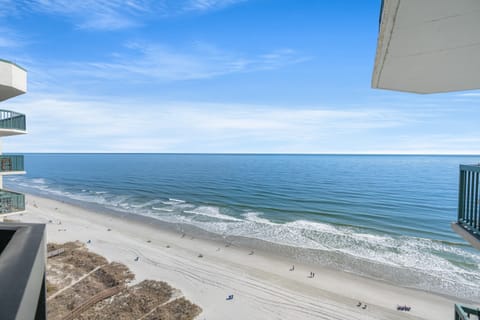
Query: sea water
pixel 382 216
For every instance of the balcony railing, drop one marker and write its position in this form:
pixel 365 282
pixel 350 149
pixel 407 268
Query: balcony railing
pixel 12 120
pixel 11 202
pixel 11 163
pixel 468 220
pixel 464 313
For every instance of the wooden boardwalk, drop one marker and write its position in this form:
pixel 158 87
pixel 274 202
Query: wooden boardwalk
pixel 93 300
pixel 55 253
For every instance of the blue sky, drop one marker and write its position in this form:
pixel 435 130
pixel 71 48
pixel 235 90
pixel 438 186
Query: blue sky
pixel 262 76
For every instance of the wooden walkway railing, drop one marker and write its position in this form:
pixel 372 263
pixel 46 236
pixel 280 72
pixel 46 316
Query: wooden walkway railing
pixel 175 296
pixel 74 283
pixel 55 253
pixel 93 300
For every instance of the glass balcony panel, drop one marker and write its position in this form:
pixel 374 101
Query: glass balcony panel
pixel 469 200
pixel 11 202
pixel 12 120
pixel 11 163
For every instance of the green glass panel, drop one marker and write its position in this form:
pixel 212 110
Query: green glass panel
pixel 11 163
pixel 12 120
pixel 11 202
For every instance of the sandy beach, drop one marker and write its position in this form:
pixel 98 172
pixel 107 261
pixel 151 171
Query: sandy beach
pixel 207 271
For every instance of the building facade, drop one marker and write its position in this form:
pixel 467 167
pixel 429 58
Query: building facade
pixel 22 246
pixel 13 82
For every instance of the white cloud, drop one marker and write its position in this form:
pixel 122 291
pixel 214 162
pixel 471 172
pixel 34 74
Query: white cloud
pixel 108 124
pixel 436 143
pixel 206 5
pixel 75 124
pixel 112 14
pixel 7 8
pixel 91 14
pixel 9 38
pixel 6 42
pixel 200 61
pixel 470 94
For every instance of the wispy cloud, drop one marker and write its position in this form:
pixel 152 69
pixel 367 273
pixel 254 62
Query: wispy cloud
pixel 470 94
pixel 7 42
pixel 91 14
pixel 144 62
pixel 436 143
pixel 208 5
pixel 109 125
pixel 9 38
pixel 112 14
pixel 7 8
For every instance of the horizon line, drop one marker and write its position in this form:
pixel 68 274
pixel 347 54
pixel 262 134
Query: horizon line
pixel 261 153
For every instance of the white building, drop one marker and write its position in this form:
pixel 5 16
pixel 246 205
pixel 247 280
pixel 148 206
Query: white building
pixel 13 82
pixel 22 245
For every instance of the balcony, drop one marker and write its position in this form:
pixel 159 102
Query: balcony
pixel 11 202
pixel 11 164
pixel 12 123
pixel 22 271
pixel 468 220
pixel 13 80
pixel 465 313
pixel 430 57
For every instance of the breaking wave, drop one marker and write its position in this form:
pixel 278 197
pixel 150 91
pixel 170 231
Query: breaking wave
pixel 450 267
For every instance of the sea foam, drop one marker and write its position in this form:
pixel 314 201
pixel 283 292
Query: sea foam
pixel 450 268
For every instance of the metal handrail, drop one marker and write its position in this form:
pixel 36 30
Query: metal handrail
pixel 12 120
pixel 463 312
pixel 468 199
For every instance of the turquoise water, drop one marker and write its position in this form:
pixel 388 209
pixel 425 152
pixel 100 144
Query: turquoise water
pixel 381 216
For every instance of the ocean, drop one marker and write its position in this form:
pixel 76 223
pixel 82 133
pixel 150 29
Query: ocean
pixel 381 216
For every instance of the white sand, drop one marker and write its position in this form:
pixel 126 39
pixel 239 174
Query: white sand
pixel 262 285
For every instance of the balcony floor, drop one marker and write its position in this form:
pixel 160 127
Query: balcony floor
pixel 473 239
pixel 11 132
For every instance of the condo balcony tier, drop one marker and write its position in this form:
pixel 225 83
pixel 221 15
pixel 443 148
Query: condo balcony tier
pixel 428 46
pixel 12 123
pixel 11 202
pixel 465 313
pixel 13 80
pixel 11 164
pixel 468 220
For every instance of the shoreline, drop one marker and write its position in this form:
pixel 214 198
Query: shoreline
pixel 261 281
pixel 315 258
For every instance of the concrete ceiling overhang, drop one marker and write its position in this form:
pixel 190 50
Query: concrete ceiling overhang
pixel 13 80
pixel 428 46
